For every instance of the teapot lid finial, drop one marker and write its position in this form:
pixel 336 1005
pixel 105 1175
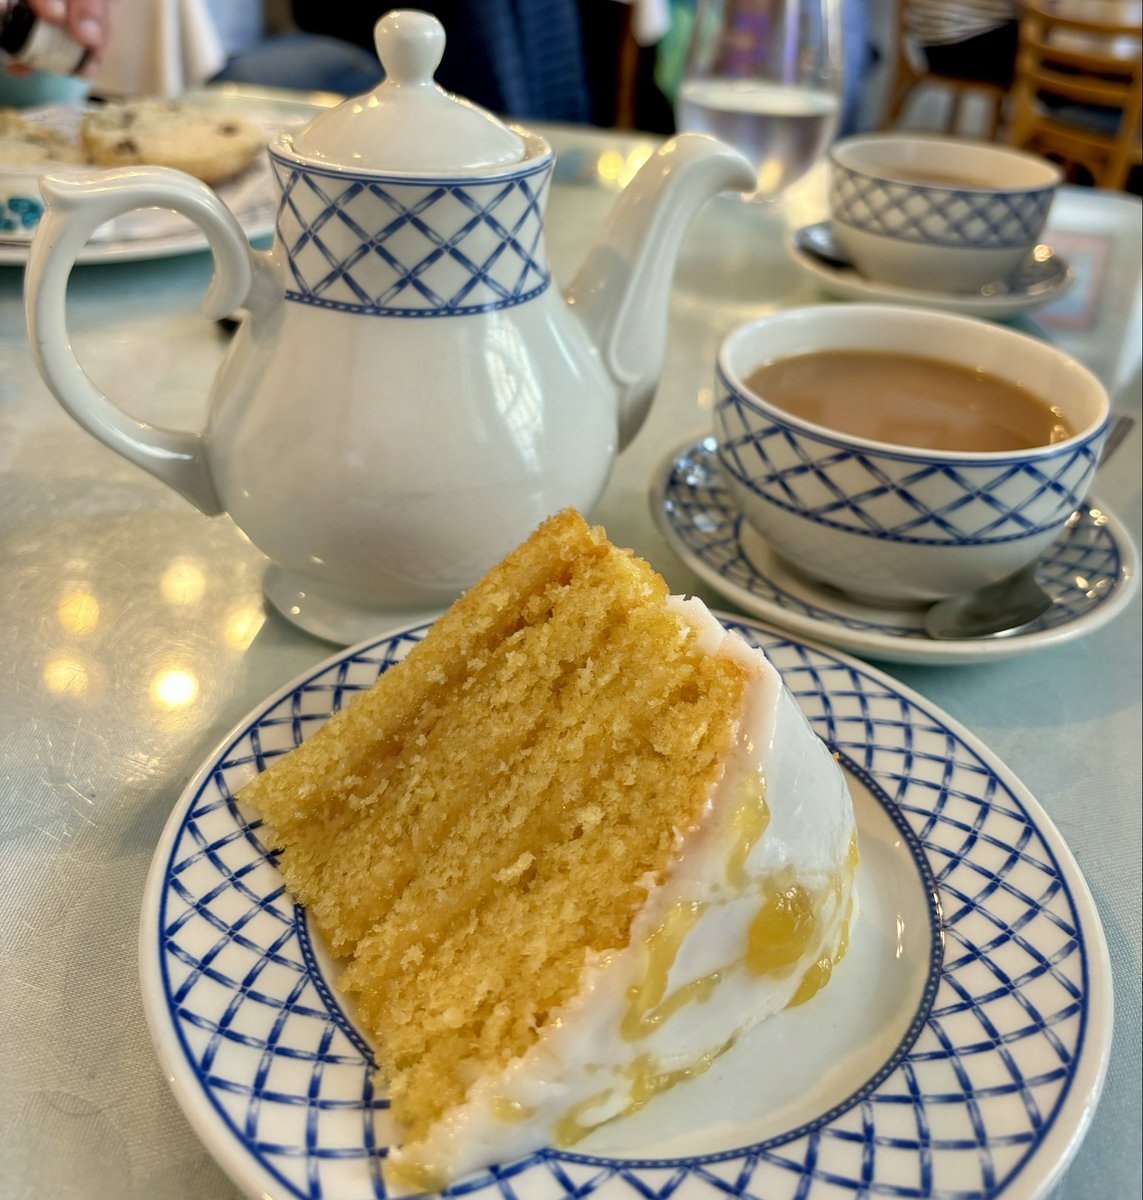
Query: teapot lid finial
pixel 410 45
pixel 407 124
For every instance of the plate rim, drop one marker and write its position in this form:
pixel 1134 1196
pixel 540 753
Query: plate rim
pixel 886 647
pixel 241 1167
pixel 117 250
pixel 258 222
pixel 1075 1108
pixel 1006 305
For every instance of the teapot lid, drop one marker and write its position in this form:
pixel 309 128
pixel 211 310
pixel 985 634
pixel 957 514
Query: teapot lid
pixel 408 123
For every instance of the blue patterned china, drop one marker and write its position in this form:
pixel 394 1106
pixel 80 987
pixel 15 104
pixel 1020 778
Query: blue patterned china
pixel 407 395
pixel 20 205
pixel 958 1051
pixel 937 213
pixel 1090 572
pixel 1044 276
pixel 892 523
pixel 32 147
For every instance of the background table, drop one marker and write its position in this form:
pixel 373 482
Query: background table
pixel 133 635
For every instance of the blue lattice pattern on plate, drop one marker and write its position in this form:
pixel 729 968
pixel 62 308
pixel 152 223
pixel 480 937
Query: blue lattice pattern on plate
pixel 935 215
pixel 387 247
pixel 959 1112
pixel 865 493
pixel 1080 571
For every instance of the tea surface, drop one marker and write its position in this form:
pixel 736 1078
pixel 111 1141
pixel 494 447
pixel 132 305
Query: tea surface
pixel 939 179
pixel 908 400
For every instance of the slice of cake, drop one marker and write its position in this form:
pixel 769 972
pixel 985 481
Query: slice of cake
pixel 571 848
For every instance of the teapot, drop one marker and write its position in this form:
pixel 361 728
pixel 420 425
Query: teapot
pixel 406 396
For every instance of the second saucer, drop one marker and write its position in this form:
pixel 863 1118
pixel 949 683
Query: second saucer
pixel 1039 281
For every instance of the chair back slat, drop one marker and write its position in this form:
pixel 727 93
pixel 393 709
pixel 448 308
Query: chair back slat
pixel 1084 62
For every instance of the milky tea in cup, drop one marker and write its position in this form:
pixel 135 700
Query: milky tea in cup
pixel 902 455
pixel 909 400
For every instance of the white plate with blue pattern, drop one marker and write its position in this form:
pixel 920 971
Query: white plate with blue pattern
pixel 959 1049
pixel 1090 572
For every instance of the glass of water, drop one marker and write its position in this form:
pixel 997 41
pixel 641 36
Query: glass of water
pixel 765 76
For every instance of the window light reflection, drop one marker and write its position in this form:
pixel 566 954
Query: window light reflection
pixel 614 167
pixel 78 612
pixel 183 582
pixel 242 625
pixel 174 688
pixel 64 674
pixel 770 175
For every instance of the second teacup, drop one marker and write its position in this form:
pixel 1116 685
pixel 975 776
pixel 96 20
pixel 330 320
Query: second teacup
pixel 940 214
pixel 894 523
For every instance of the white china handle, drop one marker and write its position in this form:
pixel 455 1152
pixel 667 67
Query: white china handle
pixel 74 209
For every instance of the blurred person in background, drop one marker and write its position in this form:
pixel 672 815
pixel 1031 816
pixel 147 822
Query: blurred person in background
pixel 262 47
pixel 524 58
pixel 968 39
pixel 87 21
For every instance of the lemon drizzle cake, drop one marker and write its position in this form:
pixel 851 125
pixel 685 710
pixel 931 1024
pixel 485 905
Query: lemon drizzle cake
pixel 571 849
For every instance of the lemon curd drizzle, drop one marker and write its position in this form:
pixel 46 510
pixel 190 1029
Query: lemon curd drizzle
pixel 646 1008
pixel 783 930
pixel 788 921
pixel 415 1176
pixel 511 1111
pixel 751 818
pixel 821 972
pixel 646 1079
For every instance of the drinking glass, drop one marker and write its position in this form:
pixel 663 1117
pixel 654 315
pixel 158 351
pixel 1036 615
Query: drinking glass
pixel 765 76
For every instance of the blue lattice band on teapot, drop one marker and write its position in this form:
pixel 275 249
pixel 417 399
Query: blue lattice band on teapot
pixel 827 482
pixel 424 248
pixel 937 216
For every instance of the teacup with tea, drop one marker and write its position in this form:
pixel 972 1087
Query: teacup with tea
pixel 902 455
pixel 938 214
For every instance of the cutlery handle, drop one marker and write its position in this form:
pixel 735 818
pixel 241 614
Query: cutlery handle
pixel 74 209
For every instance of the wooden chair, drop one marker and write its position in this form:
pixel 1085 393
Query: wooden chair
pixel 911 72
pixel 1076 97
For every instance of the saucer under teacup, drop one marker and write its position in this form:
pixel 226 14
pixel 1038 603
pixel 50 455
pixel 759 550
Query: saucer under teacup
pixel 1090 571
pixel 1043 277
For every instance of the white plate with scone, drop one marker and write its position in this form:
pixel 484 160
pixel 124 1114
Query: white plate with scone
pixel 222 149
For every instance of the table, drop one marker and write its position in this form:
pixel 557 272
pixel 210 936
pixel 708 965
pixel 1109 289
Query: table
pixel 134 635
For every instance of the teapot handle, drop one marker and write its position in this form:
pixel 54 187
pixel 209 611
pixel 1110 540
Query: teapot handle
pixel 74 209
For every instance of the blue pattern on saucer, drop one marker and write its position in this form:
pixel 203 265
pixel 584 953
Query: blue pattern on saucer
pixel 20 212
pixel 704 517
pixel 425 248
pixel 288 1081
pixel 937 216
pixel 793 469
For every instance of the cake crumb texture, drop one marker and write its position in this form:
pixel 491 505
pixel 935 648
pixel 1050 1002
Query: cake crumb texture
pixel 491 814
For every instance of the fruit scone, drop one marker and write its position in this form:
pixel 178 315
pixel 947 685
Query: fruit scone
pixel 167 133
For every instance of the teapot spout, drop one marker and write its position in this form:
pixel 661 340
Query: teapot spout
pixel 622 290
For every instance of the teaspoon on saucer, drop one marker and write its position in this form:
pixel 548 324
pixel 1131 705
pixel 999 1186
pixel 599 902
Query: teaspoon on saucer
pixel 1009 605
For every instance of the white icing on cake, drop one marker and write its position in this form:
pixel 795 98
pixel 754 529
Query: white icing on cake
pixel 626 1036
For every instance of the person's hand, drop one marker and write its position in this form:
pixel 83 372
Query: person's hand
pixel 85 20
